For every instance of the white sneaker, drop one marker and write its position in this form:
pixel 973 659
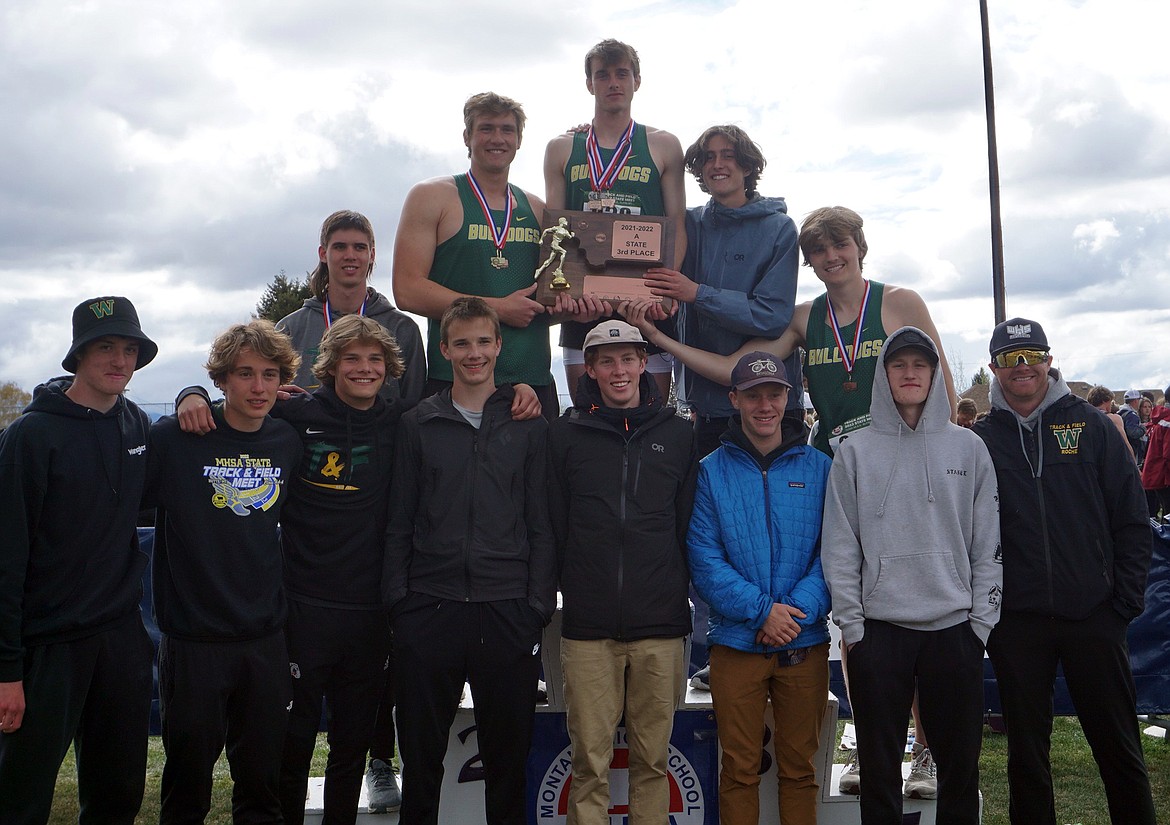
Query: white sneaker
pixel 850 782
pixel 922 783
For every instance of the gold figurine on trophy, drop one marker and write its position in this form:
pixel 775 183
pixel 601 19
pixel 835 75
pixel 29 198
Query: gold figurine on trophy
pixel 560 232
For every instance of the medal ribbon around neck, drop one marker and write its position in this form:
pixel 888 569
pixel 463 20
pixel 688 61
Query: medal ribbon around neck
pixel 325 309
pixel 600 178
pixel 847 360
pixel 499 237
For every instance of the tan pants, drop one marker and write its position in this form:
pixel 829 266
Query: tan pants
pixel 603 678
pixel 741 684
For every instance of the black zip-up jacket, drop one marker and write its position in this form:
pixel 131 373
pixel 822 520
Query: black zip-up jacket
pixel 621 501
pixel 469 515
pixel 1073 523
pixel 71 482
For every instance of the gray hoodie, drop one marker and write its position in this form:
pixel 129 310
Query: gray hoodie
pixel 911 524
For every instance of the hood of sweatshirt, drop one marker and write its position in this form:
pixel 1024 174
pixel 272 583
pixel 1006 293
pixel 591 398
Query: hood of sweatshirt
pixel 50 398
pixel 376 303
pixel 1057 389
pixel 884 415
pixel 756 208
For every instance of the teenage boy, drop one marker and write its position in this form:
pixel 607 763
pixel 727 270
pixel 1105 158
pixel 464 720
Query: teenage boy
pixel 340 287
pixel 738 280
pixel 476 234
pixel 1076 554
pixel 621 489
pixel 75 660
pixel 470 576
pixel 754 547
pixel 218 599
pixel 337 633
pixel 912 508
pixel 615 165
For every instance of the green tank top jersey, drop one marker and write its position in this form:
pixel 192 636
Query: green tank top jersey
pixel 463 263
pixel 842 412
pixel 637 191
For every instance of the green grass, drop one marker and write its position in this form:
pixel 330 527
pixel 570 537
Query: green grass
pixel 65 800
pixel 1080 798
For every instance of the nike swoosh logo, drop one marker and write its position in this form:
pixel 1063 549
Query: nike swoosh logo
pixel 519 218
pixel 311 431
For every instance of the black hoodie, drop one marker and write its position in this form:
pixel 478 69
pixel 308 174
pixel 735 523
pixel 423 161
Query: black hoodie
pixel 71 480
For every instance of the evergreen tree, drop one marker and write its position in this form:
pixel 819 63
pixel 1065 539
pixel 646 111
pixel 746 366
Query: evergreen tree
pixel 282 296
pixel 981 377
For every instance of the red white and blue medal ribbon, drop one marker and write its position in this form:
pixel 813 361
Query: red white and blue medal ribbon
pixel 500 235
pixel 601 176
pixel 848 359
pixel 325 309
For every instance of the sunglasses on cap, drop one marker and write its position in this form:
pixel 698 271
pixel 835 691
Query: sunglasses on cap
pixel 1014 357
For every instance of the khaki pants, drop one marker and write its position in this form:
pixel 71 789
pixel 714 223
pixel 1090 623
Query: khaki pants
pixel 603 678
pixel 741 684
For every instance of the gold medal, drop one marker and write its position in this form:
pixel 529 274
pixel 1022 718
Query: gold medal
pixel 499 262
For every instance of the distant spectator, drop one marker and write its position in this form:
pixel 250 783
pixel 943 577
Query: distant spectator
pixel 968 412
pixel 1102 398
pixel 1156 471
pixel 1135 433
pixel 1145 412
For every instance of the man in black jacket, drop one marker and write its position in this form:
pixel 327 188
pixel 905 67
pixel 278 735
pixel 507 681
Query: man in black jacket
pixel 75 660
pixel 621 490
pixel 1076 550
pixel 470 574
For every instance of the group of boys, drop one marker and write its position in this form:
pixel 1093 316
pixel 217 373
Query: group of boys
pixel 475 511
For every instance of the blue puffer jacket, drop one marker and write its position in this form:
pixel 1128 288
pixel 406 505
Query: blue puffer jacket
pixel 755 540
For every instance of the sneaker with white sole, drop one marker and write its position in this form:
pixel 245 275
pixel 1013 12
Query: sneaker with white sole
pixel 850 781
pixel 922 783
pixel 382 793
pixel 702 679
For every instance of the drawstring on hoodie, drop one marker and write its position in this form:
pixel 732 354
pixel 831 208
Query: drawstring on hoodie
pixel 881 511
pixel 1038 469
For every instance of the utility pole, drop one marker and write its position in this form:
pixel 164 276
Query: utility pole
pixel 997 282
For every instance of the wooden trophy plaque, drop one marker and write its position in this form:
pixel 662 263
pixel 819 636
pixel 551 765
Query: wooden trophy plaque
pixel 602 254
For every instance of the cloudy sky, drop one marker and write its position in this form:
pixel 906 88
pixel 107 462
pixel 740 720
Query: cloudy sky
pixel 184 153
